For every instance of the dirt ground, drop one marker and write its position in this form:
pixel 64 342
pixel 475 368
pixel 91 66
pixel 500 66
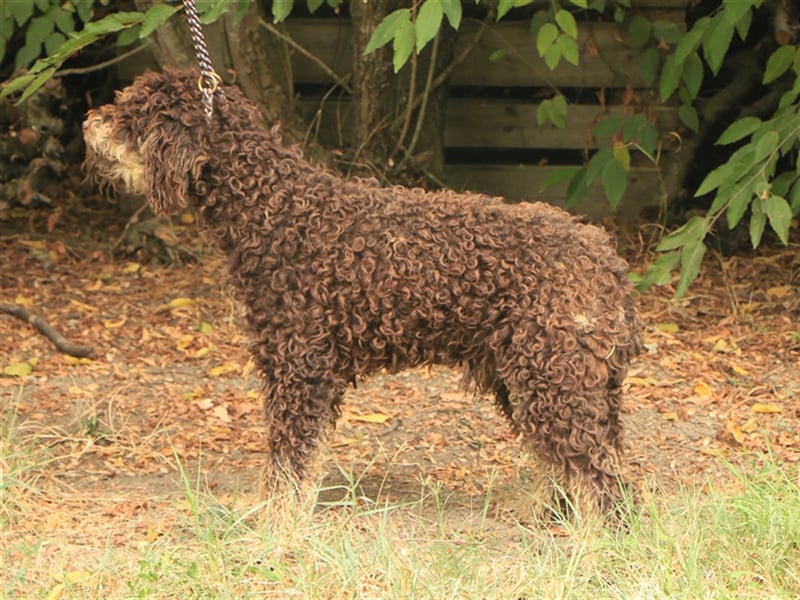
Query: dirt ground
pixel 719 379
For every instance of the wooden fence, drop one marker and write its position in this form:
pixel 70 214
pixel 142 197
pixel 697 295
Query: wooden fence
pixel 495 145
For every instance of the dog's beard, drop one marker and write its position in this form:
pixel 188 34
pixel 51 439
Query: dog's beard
pixel 114 167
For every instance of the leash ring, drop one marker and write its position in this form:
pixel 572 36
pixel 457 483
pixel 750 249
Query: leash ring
pixel 209 82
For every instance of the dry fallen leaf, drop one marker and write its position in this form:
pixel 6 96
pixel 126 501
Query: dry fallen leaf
pixel 20 369
pixel 72 360
pixel 702 389
pixel 181 302
pixel 221 412
pixel 735 431
pixel 221 369
pixel 765 408
pixel 780 291
pixel 371 418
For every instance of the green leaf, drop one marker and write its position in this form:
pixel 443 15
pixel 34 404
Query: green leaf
pixel 567 23
pixel 452 10
pixel 558 111
pixel 688 116
pixel 779 62
pixel 214 11
pixel 53 41
pixel 552 57
pixel 27 54
pixel 403 44
pixel 506 5
pixel 649 60
pixel 543 112
pixel 716 42
pixel 155 17
pixel 559 175
pixel 546 38
pixel 690 42
pixel 538 20
pixel 498 55
pixel 691 259
pixel 743 25
pixel 670 78
pixel 622 155
pixel 738 129
pixel 429 19
pixel 715 179
pixel 577 189
pixel 615 180
pixel 766 145
pixel 84 9
pixel 735 10
pixel 782 183
pixel 638 129
pixel 64 21
pixel 313 5
pixel 607 126
pixel 659 272
pixel 758 222
pixel 126 37
pixel 110 24
pixel 597 163
pixel 779 214
pixel 503 7
pixel 667 31
pixel 693 74
pixel 738 207
pixel 22 11
pixel 37 82
pixel 281 9
pixel 387 29
pixel 640 29
pixel 693 230
pixel 569 49
pixel 795 198
pixel 38 30
pixel 16 84
pixel 580 3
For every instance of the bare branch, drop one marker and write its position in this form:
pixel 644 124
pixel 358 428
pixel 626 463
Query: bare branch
pixel 35 321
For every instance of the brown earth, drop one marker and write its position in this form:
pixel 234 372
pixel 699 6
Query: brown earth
pixel 719 382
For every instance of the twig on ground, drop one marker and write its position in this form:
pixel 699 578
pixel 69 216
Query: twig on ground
pixel 61 344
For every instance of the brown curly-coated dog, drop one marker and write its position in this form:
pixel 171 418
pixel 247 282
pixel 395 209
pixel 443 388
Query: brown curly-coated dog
pixel 342 278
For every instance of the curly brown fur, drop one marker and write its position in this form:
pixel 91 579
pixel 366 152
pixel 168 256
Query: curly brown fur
pixel 342 278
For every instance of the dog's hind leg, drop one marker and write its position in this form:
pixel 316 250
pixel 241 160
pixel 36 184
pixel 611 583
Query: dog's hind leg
pixel 568 414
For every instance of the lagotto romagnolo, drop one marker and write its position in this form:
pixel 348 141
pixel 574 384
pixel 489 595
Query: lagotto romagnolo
pixel 341 278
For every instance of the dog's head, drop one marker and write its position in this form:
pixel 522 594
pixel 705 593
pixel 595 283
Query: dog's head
pixel 153 140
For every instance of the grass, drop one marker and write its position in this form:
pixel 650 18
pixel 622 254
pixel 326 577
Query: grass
pixel 742 541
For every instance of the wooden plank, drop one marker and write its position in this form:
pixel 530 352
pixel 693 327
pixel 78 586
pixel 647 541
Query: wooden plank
pixel 522 182
pixel 487 124
pixel 501 124
pixel 606 59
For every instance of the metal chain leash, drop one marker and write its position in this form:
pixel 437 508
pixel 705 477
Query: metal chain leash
pixel 209 81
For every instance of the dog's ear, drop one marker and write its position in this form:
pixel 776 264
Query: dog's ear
pixel 174 158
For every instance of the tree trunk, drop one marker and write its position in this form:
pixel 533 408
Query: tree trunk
pixel 388 134
pixel 375 87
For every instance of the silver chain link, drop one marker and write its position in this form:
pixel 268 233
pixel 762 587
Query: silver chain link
pixel 209 80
